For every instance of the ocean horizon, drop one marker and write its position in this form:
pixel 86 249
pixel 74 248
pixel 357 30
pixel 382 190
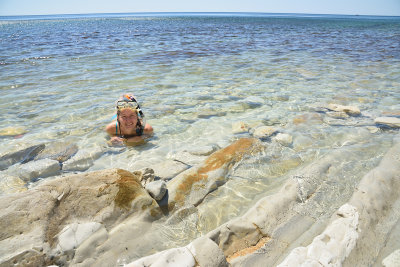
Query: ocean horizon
pixel 140 14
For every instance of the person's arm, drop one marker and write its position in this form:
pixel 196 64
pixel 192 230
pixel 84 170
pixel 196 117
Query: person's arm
pixel 111 129
pixel 137 140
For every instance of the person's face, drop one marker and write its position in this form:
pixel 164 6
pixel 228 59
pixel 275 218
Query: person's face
pixel 128 118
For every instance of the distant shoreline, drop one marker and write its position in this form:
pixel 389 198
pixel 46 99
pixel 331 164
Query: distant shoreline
pixel 191 14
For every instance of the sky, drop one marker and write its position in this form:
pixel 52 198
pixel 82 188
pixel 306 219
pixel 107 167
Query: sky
pixel 345 7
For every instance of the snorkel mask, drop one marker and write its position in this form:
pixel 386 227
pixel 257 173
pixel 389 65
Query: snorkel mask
pixel 129 101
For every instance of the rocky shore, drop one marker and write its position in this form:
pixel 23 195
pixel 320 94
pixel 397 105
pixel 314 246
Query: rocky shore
pixel 115 217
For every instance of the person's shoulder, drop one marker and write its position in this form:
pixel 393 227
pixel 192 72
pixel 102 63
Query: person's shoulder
pixel 111 127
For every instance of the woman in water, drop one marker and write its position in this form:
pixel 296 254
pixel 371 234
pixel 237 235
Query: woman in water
pixel 130 127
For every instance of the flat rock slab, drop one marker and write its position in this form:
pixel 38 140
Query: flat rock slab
pixel 23 156
pixel 58 151
pixel 39 168
pixel 169 168
pixel 350 110
pixel 391 122
pixel 82 160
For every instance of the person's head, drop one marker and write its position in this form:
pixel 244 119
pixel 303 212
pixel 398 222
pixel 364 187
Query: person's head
pixel 128 117
pixel 129 113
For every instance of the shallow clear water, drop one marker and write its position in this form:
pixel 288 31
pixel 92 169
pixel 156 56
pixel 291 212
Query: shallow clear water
pixel 192 74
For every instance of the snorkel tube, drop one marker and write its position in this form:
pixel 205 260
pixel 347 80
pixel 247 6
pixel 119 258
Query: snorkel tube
pixel 129 101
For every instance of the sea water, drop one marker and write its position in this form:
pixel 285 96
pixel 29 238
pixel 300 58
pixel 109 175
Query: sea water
pixel 195 74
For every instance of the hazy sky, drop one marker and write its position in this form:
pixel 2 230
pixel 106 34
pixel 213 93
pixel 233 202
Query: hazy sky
pixel 351 7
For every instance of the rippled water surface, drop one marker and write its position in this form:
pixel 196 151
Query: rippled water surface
pixel 195 75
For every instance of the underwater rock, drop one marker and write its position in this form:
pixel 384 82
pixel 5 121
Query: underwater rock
pixel 264 132
pixel 169 168
pixel 12 131
pixel 58 151
pixel 82 160
pixel 252 102
pixel 350 110
pixel 391 113
pixel 202 150
pixel 193 185
pixel 302 142
pixel 391 122
pixel 284 139
pixel 308 118
pixel 23 156
pixel 240 127
pixel 11 184
pixel 188 159
pixel 337 114
pixel 157 189
pixel 205 114
pixel 39 168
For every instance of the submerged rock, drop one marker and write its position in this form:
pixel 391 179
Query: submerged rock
pixel 391 122
pixel 350 110
pixel 58 151
pixel 82 160
pixel 23 156
pixel 284 139
pixel 263 132
pixel 193 185
pixel 240 127
pixel 11 184
pixel 39 168
pixel 202 150
pixel 169 168
pixel 252 102
pixel 12 131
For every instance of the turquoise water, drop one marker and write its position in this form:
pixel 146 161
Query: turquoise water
pixel 195 75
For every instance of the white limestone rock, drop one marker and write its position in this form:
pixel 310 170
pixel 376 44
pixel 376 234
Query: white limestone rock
pixel 74 234
pixel 391 122
pixel 284 139
pixel 337 114
pixel 264 132
pixel 350 110
pixel 82 160
pixel 332 246
pixel 393 260
pixel 169 168
pixel 39 168
pixel 167 258
pixel 202 150
pixel 239 127
pixel 207 253
pixel 157 189
pixel 187 158
pixel 11 184
pixel 252 102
